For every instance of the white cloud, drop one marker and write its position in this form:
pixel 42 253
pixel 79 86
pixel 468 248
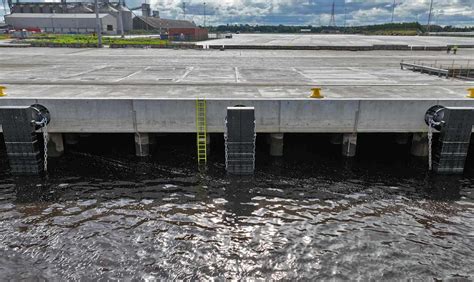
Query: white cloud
pixel 458 12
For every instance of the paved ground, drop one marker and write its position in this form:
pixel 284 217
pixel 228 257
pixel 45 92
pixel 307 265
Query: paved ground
pixel 161 73
pixel 336 40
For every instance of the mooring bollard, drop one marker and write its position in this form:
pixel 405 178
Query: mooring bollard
pixel 2 91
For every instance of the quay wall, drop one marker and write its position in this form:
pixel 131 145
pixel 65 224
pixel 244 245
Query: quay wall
pixel 272 115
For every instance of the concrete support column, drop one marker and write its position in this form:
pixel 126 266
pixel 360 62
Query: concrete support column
pixel 402 138
pixel 419 145
pixel 276 144
pixel 55 145
pixel 349 144
pixel 336 139
pixel 142 144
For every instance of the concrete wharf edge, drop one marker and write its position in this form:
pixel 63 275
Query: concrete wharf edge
pixel 278 115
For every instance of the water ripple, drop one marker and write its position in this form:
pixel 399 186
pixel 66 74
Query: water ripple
pixel 180 224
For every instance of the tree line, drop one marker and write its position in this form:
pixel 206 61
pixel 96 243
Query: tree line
pixel 388 28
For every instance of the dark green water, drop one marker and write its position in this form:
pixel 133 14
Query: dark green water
pixel 104 214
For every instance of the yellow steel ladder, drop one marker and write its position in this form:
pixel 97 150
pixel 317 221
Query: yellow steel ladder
pixel 201 131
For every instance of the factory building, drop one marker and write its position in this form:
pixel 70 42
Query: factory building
pixel 176 29
pixel 62 23
pixel 79 17
pixel 81 11
pixel 189 34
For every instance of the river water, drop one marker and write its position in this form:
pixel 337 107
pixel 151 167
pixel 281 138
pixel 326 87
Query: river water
pixel 103 214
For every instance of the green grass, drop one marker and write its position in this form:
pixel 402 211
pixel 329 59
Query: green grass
pixel 4 36
pixel 91 39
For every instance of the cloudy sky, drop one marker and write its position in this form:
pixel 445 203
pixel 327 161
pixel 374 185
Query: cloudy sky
pixel 315 12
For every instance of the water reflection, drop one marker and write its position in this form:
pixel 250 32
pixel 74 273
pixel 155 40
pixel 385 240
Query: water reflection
pixel 119 218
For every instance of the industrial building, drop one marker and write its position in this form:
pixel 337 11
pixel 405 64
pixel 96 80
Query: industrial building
pixel 80 22
pixel 62 23
pixel 176 29
pixel 156 23
pixel 79 17
pixel 188 34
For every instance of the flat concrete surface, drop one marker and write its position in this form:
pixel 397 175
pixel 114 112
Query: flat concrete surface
pixel 154 90
pixel 231 74
pixel 337 40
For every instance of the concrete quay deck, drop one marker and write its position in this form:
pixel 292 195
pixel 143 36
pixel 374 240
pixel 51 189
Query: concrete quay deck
pixel 154 90
pixel 338 40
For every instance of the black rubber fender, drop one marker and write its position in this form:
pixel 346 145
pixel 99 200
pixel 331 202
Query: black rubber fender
pixel 436 114
pixel 40 113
